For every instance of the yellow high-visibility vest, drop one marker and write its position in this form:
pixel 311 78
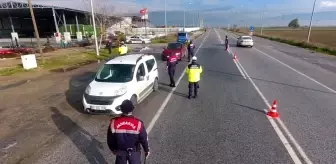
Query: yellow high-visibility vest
pixel 194 72
pixel 123 50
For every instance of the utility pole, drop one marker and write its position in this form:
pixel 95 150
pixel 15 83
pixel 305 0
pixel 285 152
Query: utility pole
pixel 184 20
pixel 94 28
pixel 262 24
pixel 35 26
pixel 311 20
pixel 166 17
pixel 193 15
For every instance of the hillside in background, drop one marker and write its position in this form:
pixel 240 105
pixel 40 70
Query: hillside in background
pixel 176 18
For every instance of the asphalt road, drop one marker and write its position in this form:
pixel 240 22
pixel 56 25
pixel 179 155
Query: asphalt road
pixel 225 124
pixel 304 84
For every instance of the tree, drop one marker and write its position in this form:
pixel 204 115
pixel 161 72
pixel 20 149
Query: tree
pixel 103 18
pixel 294 23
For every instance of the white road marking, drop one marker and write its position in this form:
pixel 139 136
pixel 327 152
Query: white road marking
pixel 282 137
pixel 222 42
pixel 164 104
pixel 237 63
pixel 296 71
pixel 10 145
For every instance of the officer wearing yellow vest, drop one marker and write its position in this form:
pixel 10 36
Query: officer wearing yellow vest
pixel 194 71
pixel 123 48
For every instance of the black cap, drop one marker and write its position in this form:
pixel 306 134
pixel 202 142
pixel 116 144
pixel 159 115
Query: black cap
pixel 126 106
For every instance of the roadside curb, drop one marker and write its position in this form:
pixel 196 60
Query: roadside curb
pixel 70 68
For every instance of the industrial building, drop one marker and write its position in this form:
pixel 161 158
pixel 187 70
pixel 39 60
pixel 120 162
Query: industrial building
pixel 15 17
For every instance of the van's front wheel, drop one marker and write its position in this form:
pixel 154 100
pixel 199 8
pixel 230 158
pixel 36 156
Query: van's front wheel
pixel 134 100
pixel 156 85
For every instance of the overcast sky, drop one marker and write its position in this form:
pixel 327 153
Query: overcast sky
pixel 209 8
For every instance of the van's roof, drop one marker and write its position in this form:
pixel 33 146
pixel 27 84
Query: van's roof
pixel 129 59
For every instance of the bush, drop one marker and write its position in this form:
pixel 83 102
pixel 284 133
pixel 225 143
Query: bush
pixel 122 37
pixel 7 56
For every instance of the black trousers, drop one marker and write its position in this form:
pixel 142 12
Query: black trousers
pixel 134 158
pixel 109 49
pixel 190 55
pixel 171 74
pixel 193 86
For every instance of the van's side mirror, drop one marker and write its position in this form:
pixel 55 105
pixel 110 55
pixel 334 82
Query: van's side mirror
pixel 141 78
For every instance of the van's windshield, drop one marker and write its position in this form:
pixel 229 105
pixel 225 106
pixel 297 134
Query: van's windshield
pixel 183 34
pixel 115 73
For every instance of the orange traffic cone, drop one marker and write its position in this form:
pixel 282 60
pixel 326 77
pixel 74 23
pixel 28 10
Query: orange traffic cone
pixel 234 57
pixel 273 111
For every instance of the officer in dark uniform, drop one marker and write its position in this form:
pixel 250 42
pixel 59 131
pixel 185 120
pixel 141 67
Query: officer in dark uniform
pixel 194 71
pixel 109 46
pixel 191 49
pixel 125 134
pixel 226 43
pixel 171 65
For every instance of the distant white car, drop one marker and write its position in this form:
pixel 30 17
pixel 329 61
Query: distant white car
pixel 245 41
pixel 137 39
pixel 130 77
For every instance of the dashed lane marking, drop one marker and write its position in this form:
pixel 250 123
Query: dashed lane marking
pixel 165 102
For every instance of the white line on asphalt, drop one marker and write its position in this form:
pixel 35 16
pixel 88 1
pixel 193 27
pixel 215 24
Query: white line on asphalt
pixel 283 139
pixel 164 104
pixel 240 70
pixel 237 63
pixel 296 71
pixel 10 145
pixel 222 42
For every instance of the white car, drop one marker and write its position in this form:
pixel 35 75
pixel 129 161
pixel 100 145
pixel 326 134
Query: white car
pixel 245 41
pixel 132 77
pixel 137 39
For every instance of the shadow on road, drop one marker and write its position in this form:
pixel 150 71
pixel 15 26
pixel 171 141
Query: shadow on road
pixel 82 139
pixel 77 86
pixel 168 90
pixel 248 107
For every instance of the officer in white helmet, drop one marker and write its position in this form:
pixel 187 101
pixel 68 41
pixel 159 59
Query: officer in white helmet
pixel 194 71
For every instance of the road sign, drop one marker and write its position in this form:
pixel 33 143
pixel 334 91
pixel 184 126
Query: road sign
pixel 251 28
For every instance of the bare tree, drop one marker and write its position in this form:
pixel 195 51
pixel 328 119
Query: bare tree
pixel 103 18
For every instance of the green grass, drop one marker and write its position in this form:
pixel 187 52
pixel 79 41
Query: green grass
pixel 302 45
pixel 65 61
pixel 165 39
pixel 12 70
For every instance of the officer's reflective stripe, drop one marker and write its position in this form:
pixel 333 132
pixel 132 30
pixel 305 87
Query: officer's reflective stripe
pixel 194 67
pixel 139 126
pixel 126 131
pixel 137 131
pixel 172 60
